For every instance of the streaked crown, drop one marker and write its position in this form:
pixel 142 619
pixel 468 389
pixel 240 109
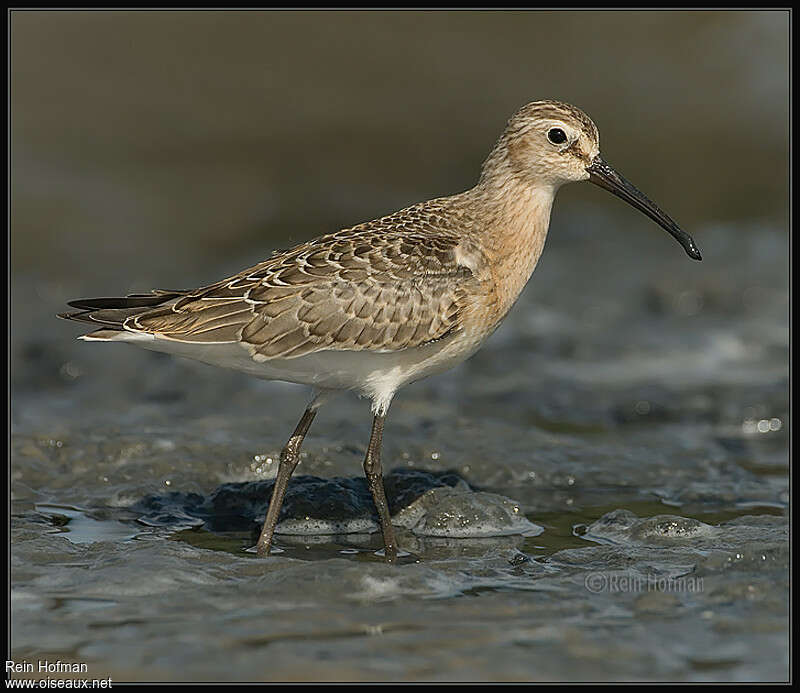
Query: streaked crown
pixel 548 142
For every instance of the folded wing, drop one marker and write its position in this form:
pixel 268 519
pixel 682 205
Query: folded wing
pixel 374 287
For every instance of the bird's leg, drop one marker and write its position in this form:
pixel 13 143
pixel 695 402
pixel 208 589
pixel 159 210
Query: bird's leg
pixel 372 468
pixel 290 456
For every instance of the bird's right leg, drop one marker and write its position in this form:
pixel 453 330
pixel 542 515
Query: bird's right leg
pixel 290 456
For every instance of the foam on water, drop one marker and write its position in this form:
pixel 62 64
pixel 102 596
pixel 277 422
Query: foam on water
pixel 313 527
pixel 459 512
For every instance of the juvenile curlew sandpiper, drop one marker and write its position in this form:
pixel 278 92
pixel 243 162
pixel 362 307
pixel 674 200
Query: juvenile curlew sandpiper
pixel 387 302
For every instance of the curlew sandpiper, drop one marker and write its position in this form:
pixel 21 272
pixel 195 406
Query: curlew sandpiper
pixel 379 305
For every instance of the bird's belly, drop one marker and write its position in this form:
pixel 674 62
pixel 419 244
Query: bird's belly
pixel 373 373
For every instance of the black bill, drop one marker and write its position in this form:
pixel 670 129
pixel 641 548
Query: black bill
pixel 600 173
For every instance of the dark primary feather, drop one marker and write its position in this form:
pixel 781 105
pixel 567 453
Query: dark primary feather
pixel 154 298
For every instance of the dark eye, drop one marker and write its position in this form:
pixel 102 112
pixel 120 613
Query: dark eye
pixel 557 136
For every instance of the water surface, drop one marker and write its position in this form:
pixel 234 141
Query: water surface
pixel 633 408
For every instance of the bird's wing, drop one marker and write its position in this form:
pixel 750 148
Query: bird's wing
pixel 380 286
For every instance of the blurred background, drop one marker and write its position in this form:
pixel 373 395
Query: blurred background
pixel 146 145
pixel 170 149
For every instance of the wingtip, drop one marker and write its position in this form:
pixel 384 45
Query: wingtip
pixel 79 303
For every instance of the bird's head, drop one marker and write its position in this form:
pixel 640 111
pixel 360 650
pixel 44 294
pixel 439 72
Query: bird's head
pixel 549 143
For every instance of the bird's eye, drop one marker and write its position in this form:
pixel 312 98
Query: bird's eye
pixel 557 136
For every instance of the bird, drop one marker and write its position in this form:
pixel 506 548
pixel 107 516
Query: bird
pixel 384 303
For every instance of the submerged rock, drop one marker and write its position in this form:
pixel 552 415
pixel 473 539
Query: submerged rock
pixel 440 504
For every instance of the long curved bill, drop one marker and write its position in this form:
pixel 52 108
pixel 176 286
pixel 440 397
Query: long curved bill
pixel 600 173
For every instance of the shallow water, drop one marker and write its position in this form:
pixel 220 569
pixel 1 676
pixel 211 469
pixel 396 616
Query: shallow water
pixel 633 409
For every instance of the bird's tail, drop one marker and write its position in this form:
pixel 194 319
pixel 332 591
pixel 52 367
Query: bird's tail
pixel 110 313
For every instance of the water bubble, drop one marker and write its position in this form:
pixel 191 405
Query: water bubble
pixel 752 426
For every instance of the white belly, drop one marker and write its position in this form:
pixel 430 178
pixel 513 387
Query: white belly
pixel 377 375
